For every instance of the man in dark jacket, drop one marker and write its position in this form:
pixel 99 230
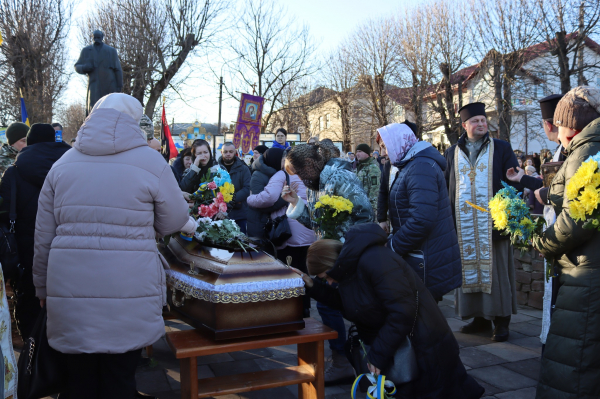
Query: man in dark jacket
pixel 30 169
pixel 240 177
pixel 477 166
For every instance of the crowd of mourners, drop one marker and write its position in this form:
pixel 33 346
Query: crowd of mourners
pixel 89 214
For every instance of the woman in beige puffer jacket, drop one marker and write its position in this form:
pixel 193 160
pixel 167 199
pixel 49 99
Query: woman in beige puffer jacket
pixel 96 264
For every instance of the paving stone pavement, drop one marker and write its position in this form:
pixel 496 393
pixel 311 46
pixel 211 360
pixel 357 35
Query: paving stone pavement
pixel 506 370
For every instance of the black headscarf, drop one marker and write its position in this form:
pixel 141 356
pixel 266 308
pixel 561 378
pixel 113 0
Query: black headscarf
pixel 261 149
pixel 272 157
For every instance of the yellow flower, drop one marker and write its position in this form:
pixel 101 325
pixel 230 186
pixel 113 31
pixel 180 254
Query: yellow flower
pixel 589 199
pixel 577 210
pixel 498 211
pixel 584 176
pixel 227 190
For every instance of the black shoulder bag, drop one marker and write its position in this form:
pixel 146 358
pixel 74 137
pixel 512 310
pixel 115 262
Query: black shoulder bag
pixel 9 256
pixel 278 229
pixel 42 370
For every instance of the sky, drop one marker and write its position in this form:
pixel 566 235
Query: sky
pixel 329 21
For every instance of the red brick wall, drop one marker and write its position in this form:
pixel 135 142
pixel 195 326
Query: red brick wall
pixel 529 276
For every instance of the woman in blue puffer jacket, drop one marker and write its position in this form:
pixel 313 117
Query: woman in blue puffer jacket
pixel 423 231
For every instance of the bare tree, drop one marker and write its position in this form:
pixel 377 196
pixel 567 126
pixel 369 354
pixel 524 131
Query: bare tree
pixel 414 33
pixel 565 25
pixel 373 53
pixel 270 52
pixel 508 27
pixel 452 49
pixel 32 58
pixel 155 39
pixel 342 80
pixel 71 118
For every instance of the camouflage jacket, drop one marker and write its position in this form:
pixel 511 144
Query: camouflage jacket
pixel 369 175
pixel 7 157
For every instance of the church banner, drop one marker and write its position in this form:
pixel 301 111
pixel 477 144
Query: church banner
pixel 247 129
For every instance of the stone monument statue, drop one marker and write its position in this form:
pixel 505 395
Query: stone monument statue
pixel 101 63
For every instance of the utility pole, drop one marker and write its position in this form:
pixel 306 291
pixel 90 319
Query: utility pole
pixel 220 101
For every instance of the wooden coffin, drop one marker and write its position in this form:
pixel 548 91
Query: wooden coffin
pixel 231 293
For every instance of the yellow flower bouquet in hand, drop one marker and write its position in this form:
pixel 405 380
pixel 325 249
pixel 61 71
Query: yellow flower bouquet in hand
pixel 331 212
pixel 583 193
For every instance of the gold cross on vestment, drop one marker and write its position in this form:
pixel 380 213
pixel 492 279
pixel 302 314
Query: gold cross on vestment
pixel 485 249
pixel 469 250
pixel 464 170
pixel 465 208
pixel 472 175
pixel 481 167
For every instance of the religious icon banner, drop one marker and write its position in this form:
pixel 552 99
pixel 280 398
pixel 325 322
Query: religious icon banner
pixel 247 129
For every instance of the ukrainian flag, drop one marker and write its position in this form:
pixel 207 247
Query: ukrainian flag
pixel 24 117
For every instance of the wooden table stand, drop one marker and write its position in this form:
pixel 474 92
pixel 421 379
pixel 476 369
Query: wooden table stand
pixel 308 374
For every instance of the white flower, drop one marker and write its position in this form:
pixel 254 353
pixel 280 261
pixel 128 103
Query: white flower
pixel 205 220
pixel 200 236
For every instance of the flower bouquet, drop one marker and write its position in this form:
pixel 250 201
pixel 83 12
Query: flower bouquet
pixel 332 211
pixel 511 216
pixel 583 193
pixel 221 232
pixel 213 195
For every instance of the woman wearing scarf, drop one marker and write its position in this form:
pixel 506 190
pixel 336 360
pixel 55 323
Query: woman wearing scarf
pixel 280 139
pixel 325 174
pixel 422 225
pixel 203 162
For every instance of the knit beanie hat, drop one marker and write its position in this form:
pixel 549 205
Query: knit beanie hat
pixel 16 131
pixel 364 148
pixel 578 108
pixel 41 133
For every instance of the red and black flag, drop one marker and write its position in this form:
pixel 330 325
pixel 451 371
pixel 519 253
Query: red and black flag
pixel 168 148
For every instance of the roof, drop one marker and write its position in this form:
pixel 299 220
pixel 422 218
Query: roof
pixel 178 128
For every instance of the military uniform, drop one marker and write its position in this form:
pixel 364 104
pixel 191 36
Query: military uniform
pixel 7 157
pixel 369 174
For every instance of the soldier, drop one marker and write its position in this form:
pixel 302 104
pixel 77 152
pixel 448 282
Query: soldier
pixel 367 171
pixel 16 135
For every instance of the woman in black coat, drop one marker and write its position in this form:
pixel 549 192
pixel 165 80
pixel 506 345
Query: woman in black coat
pixel 377 291
pixel 420 211
pixel 29 172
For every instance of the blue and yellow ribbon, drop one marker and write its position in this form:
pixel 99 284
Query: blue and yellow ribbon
pixel 378 388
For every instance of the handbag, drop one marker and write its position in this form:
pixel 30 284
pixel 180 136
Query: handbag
pixel 278 229
pixel 9 256
pixel 42 370
pixel 404 367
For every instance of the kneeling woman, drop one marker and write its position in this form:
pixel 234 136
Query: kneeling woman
pixel 377 291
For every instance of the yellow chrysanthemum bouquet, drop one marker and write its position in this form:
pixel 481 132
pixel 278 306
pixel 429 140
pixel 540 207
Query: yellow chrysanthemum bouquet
pixel 332 211
pixel 583 193
pixel 512 217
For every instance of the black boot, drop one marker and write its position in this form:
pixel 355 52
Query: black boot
pixel 479 324
pixel 501 330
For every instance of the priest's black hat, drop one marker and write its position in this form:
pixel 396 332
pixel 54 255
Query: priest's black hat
pixel 471 110
pixel 548 105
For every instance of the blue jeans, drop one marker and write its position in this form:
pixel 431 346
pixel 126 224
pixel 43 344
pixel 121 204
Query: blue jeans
pixel 242 224
pixel 333 319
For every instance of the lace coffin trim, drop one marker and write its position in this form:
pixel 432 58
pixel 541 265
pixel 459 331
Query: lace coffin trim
pixel 258 291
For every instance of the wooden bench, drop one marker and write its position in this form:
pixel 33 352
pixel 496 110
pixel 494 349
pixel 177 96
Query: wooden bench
pixel 308 374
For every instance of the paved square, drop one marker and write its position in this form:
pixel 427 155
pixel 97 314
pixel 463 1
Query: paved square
pixel 507 370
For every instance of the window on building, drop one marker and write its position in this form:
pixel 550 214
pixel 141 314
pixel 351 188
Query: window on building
pixel 327 121
pixel 539 91
pixel 320 123
pixel 339 113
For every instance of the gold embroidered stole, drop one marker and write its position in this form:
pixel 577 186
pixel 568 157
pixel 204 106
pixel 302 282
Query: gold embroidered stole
pixel 473 227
